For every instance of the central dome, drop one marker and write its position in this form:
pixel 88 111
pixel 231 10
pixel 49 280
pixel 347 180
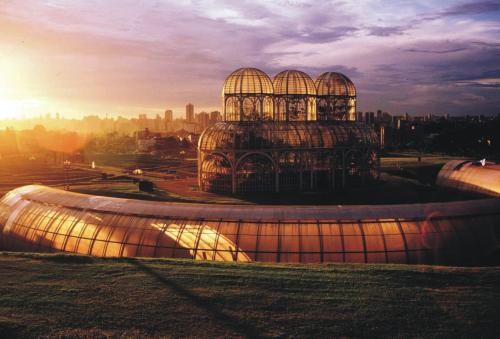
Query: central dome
pixel 292 83
pixel 247 81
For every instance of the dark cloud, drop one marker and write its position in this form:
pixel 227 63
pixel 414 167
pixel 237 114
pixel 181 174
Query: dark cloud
pixel 456 83
pixel 314 72
pixel 475 7
pixel 445 51
pixel 386 31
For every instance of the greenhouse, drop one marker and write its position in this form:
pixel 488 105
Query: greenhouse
pixel 42 219
pixel 289 134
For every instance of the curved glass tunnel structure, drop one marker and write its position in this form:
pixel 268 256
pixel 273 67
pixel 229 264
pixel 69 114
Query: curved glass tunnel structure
pixel 471 177
pixel 38 218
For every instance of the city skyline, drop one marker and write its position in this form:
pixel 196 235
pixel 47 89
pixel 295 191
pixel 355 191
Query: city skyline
pixel 121 59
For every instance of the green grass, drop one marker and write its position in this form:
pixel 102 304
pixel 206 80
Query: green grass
pixel 126 190
pixel 62 295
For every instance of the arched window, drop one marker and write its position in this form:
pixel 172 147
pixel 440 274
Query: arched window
pixel 216 174
pixel 297 109
pixel 251 109
pixel 255 173
pixel 232 109
pixel 290 168
pixel 268 108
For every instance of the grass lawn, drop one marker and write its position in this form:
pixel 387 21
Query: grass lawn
pixel 61 295
pixel 126 190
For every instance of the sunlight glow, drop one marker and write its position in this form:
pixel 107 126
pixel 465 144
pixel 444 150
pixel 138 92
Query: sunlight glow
pixel 12 109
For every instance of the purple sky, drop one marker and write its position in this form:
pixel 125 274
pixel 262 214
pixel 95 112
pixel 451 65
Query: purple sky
pixel 124 57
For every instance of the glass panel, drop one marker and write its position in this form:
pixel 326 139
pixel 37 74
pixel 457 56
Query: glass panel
pixel 333 250
pixel 290 242
pixel 353 243
pixel 310 243
pixel 268 242
pixel 248 238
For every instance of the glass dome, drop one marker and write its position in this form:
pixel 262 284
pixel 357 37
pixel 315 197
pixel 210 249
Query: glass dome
pixel 334 84
pixel 294 96
pixel 283 135
pixel 247 81
pixel 292 83
pixel 247 95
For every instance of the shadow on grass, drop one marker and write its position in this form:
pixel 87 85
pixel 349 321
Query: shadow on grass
pixel 236 325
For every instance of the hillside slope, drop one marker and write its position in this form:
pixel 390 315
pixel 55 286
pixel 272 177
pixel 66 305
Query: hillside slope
pixel 63 295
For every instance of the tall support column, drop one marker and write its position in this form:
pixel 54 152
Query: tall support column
pixel 333 176
pixel 333 169
pixel 378 164
pixel 240 100
pixel 199 169
pixel 277 181
pixel 343 169
pixel 301 172
pixel 261 101
pixel 364 172
pixel 233 175
pixel 311 181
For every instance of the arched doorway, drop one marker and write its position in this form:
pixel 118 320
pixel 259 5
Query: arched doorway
pixel 255 173
pixel 216 174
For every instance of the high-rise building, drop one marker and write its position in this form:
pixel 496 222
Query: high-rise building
pixel 157 123
pixel 369 117
pixel 190 112
pixel 143 121
pixel 168 121
pixel 169 115
pixel 203 120
pixel 215 116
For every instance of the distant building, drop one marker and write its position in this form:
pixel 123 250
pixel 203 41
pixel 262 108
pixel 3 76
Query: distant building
pixel 143 121
pixel 215 116
pixel 190 112
pixel 369 117
pixel 157 124
pixel 169 118
pixel 169 115
pixel 203 119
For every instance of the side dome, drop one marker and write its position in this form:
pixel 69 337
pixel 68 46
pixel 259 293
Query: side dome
pixel 335 84
pixel 293 82
pixel 247 81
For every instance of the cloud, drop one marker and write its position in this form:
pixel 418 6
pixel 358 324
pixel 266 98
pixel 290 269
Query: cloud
pixel 443 51
pixel 413 56
pixel 471 8
pixel 314 35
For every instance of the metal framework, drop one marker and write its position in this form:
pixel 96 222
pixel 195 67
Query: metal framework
pixel 43 219
pixel 294 97
pixel 336 97
pixel 287 135
pixel 472 177
pixel 286 156
pixel 247 95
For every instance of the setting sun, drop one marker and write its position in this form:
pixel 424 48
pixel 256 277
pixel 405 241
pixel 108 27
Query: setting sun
pixel 12 109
